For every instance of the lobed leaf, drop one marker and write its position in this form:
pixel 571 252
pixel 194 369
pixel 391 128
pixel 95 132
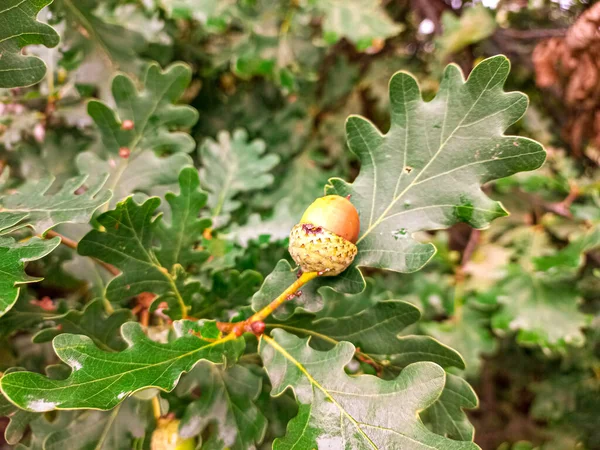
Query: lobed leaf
pixel 426 172
pixel 227 400
pixel 362 412
pixel 13 256
pixel 19 28
pixel 101 380
pixel 152 111
pixel 232 165
pixel 33 208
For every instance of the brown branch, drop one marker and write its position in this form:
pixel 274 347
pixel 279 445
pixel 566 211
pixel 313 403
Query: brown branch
pixel 73 245
pixel 255 324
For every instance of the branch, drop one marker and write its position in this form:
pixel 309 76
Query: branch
pixel 255 323
pixel 73 245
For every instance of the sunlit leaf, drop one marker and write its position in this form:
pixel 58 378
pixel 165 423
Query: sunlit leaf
pixel 363 412
pixel 101 380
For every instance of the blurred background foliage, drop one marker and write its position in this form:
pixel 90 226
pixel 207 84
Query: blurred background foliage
pixel 520 301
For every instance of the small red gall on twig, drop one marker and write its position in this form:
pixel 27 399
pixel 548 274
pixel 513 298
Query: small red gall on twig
pixel 348 197
pixel 124 152
pixel 45 303
pixel 127 125
pixel 258 327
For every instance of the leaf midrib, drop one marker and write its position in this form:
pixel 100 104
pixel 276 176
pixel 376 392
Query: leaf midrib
pixel 172 360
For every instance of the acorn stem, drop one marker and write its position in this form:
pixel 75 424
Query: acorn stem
pixel 241 327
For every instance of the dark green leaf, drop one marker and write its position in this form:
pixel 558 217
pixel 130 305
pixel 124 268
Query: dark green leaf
pixel 446 415
pixel 93 322
pixel 339 411
pixel 19 28
pixel 13 256
pixel 227 400
pixel 101 380
pixel 178 238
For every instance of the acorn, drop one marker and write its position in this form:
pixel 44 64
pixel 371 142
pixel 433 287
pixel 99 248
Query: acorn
pixel 166 436
pixel 324 240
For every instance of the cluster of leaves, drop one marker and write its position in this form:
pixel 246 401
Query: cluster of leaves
pixel 173 186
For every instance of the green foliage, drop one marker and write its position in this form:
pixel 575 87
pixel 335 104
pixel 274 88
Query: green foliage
pixel 12 256
pixel 101 380
pixel 30 207
pixel 351 411
pixel 174 144
pixel 231 166
pixel 20 28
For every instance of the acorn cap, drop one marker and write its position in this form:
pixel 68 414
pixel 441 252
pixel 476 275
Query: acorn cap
pixel 315 249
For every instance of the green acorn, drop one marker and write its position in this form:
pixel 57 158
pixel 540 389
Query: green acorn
pixel 324 239
pixel 166 437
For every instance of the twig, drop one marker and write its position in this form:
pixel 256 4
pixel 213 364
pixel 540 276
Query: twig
pixel 73 245
pixel 255 323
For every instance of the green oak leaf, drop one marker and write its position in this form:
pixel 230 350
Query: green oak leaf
pixel 375 330
pixel 146 173
pixel 42 212
pixel 469 334
pixel 101 430
pixel 360 21
pixel 152 111
pixel 231 165
pixel 340 411
pixel 127 242
pixel 101 380
pixel 446 415
pixel 178 238
pixel 93 322
pixel 19 28
pixel 407 181
pixel 13 256
pixel 226 400
pixel 18 419
pixel 542 312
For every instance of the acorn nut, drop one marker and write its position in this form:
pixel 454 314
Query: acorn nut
pixel 166 437
pixel 324 239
